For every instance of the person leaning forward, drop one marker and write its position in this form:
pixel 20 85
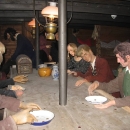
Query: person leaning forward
pixel 24 46
pixel 120 83
pixel 99 68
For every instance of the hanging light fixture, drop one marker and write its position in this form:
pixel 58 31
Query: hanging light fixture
pixel 50 13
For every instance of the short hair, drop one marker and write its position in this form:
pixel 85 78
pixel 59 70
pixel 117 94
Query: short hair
pixel 82 48
pixel 123 49
pixel 11 31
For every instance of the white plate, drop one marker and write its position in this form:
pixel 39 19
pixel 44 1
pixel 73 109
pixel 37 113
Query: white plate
pixel 96 99
pixel 43 116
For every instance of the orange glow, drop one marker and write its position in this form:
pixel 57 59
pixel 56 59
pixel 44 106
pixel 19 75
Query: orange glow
pixel 32 23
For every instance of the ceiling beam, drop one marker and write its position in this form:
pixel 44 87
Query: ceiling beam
pixel 94 22
pixel 77 7
pixel 99 8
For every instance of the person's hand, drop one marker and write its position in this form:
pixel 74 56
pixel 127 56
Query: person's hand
pixel 18 93
pixel 50 58
pixel 92 87
pixel 48 46
pixel 20 78
pixel 23 117
pixel 106 105
pixel 74 73
pixel 69 72
pixel 29 105
pixel 80 82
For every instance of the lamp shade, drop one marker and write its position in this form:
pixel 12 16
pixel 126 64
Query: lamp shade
pixel 32 23
pixel 50 11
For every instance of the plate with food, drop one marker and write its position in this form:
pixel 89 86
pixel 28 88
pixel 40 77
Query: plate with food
pixel 96 99
pixel 43 117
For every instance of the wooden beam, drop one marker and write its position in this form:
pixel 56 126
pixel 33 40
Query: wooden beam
pixel 83 23
pixel 82 16
pixel 99 8
pixel 85 7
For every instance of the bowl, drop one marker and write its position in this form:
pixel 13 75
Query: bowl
pixel 44 72
pixel 43 117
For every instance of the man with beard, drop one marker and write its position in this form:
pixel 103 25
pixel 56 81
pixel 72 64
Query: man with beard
pixel 24 46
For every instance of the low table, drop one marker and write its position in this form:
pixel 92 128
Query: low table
pixel 78 114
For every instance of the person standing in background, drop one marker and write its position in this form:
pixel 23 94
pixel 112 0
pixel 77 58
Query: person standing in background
pixel 44 48
pixel 24 46
pixel 54 49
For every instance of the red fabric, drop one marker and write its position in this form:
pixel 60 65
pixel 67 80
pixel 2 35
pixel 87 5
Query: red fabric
pixel 104 73
pixel 43 43
pixel 3 76
pixel 86 41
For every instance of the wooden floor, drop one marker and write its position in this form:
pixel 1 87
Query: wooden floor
pixel 78 114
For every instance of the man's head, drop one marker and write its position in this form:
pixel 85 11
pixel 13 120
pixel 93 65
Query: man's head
pixel 9 34
pixel 85 52
pixel 122 52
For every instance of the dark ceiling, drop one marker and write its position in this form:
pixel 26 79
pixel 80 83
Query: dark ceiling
pixel 85 13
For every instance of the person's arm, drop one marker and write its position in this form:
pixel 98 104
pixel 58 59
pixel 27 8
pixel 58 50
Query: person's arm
pixel 83 66
pixel 5 83
pixel 9 103
pixel 8 124
pixel 106 105
pixel 114 85
pixel 54 51
pixel 19 118
pixel 118 102
pixel 122 102
pixel 80 66
pixel 42 41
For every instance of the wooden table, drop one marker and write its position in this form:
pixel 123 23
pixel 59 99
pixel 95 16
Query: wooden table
pixel 78 114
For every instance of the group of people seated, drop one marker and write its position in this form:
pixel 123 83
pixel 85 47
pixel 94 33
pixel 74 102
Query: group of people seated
pixel 81 62
pixel 100 75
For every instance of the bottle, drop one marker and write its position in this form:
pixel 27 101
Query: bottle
pixel 55 72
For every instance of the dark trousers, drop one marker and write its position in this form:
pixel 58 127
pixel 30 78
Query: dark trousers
pixel 43 56
pixel 6 67
pixel 3 85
